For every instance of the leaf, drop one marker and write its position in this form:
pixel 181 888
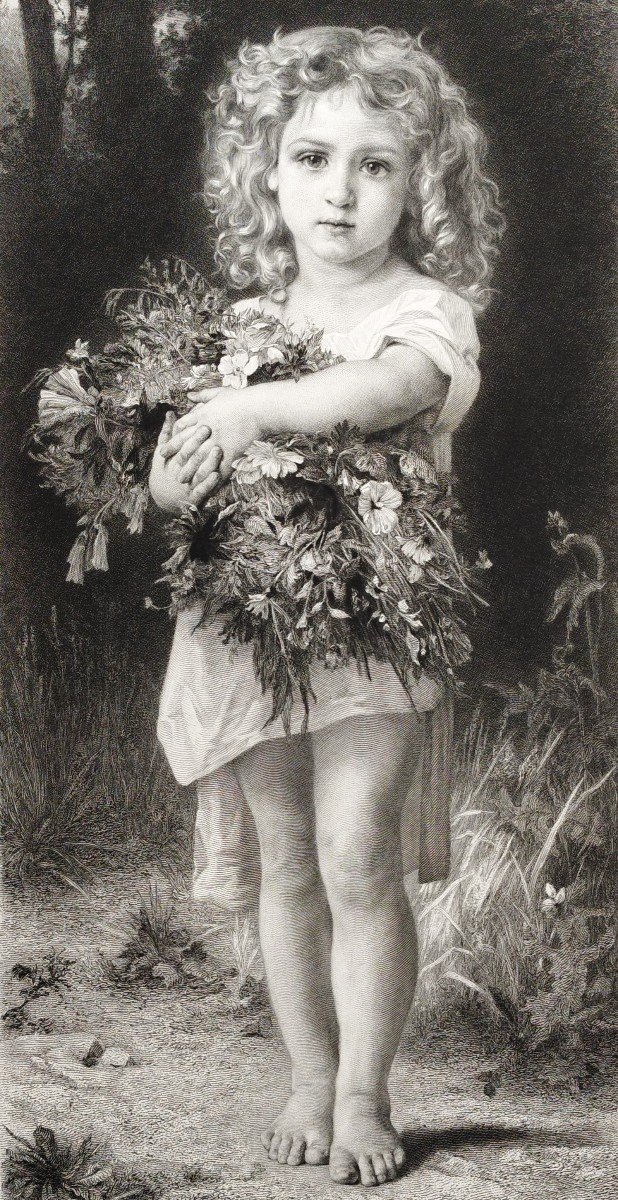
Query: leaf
pixel 584 541
pixel 583 593
pixel 45 1139
pixel 562 596
pixel 22 971
pixel 414 466
pixel 505 1006
pixel 469 983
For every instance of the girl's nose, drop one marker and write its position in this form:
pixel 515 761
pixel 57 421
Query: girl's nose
pixel 339 190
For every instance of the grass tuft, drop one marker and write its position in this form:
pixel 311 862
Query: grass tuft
pixel 82 782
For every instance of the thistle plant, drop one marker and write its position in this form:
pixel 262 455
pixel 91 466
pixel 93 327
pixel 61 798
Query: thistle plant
pixel 50 1165
pixel 526 924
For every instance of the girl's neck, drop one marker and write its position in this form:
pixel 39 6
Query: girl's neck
pixel 320 282
pixel 336 300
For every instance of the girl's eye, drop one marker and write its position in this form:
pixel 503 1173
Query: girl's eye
pixel 376 168
pixel 313 161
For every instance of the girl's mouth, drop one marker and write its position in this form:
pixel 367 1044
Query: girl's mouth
pixel 337 224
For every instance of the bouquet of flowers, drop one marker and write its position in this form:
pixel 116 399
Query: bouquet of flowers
pixel 325 547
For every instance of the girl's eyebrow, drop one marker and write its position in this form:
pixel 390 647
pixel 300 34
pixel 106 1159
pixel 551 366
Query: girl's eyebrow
pixel 368 148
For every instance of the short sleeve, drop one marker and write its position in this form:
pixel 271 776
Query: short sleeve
pixel 441 325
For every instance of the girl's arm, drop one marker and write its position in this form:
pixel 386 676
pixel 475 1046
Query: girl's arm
pixel 372 394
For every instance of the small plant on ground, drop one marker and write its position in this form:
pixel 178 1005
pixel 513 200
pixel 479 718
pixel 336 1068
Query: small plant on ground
pixel 251 995
pixel 38 980
pixel 245 952
pixel 50 1165
pixel 160 951
pixel 527 924
pixel 53 1166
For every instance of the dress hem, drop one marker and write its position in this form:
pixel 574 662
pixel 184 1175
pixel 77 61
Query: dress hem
pixel 327 716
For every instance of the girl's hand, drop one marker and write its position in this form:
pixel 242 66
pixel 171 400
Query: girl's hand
pixel 168 491
pixel 226 423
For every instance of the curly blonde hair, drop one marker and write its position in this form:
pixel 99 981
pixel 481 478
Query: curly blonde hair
pixel 452 223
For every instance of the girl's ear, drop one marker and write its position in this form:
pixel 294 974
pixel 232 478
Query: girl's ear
pixel 272 180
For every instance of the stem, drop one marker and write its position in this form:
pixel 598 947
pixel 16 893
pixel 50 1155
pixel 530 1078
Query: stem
pixel 592 649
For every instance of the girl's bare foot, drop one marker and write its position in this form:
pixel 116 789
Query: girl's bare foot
pixel 303 1132
pixel 366 1148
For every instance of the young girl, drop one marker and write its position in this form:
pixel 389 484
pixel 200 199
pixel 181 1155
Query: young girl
pixel 347 183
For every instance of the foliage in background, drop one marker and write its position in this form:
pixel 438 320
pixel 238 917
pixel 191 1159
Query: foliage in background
pixel 82 781
pixel 528 920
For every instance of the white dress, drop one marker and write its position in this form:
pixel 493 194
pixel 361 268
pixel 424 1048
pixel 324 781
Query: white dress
pixel 212 706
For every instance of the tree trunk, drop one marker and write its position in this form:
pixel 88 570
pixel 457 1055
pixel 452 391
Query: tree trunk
pixel 45 80
pixel 121 47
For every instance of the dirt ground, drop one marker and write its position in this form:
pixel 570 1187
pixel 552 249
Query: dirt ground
pixel 190 1111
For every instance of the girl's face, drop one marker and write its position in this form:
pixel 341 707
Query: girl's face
pixel 341 180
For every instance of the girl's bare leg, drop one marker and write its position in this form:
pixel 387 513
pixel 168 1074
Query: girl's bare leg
pixel 295 934
pixel 363 768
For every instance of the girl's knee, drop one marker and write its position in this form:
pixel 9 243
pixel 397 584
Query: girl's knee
pixel 359 873
pixel 289 864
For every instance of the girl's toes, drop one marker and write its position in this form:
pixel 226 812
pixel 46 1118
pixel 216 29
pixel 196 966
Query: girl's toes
pixel 285 1145
pixel 274 1147
pixel 379 1167
pixel 399 1155
pixel 389 1163
pixel 342 1166
pixel 297 1152
pixel 266 1138
pixel 316 1155
pixel 367 1173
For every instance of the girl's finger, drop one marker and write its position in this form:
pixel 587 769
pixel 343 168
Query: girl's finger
pixel 191 418
pixel 191 442
pixel 208 485
pixel 182 437
pixel 206 466
pixel 166 430
pixel 203 396
pixel 201 454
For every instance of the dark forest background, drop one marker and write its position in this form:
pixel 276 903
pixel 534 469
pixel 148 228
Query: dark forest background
pixel 100 167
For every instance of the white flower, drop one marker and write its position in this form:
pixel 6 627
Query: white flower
pixel 77 559
pixel 63 397
pixel 316 564
pixel 411 618
pixel 264 459
pixel 99 550
pixel 79 352
pixel 483 561
pixel 199 374
pixel 275 355
pixel 236 368
pixel 414 647
pixel 258 604
pixel 135 509
pixel 417 550
pixel 553 899
pixel 377 503
pixel 348 482
pixel 415 573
